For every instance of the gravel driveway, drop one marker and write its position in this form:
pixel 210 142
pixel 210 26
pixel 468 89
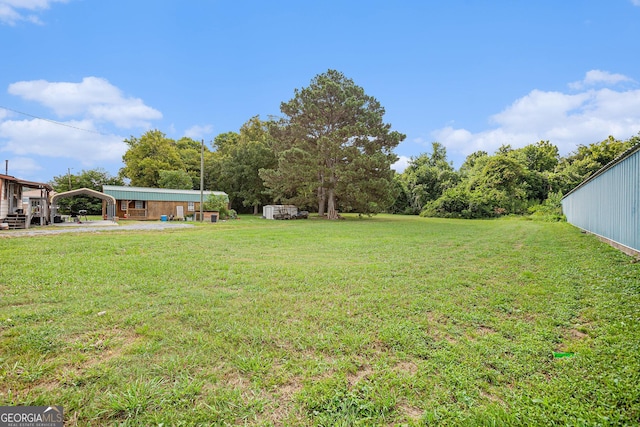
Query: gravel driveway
pixel 93 227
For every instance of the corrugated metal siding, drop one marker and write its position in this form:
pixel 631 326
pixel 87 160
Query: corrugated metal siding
pixel 157 194
pixel 609 204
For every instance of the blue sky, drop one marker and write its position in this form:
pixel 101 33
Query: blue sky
pixel 471 74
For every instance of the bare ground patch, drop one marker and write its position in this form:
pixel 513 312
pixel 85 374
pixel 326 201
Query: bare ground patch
pixel 362 373
pixel 407 366
pixel 409 412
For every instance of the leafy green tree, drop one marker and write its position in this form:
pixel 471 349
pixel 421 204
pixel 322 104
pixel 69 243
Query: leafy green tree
pixel 402 202
pixel 499 184
pixel 240 157
pixel 214 177
pixel 529 179
pixel 587 160
pixel 180 180
pixel 502 182
pixel 190 151
pixel 332 147
pixel 153 152
pixel 540 157
pixel 224 142
pixel 427 177
pixel 474 162
pixel 147 156
pixel 217 203
pixel 539 160
pixel 93 179
pixel 460 202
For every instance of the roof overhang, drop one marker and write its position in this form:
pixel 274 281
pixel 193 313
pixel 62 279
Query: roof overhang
pixel 28 184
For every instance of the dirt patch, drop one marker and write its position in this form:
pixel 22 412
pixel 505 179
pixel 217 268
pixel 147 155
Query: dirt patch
pixel 284 405
pixel 407 366
pixel 479 332
pixel 409 411
pixel 492 398
pixel 287 391
pixel 363 372
pixel 577 335
pixel 571 337
pixel 97 227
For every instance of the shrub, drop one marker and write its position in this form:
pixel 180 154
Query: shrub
pixel 549 210
pixel 458 202
pixel 217 203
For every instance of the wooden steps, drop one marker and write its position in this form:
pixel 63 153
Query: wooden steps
pixel 16 221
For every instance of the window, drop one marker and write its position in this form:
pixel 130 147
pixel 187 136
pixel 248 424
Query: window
pixel 123 205
pixel 139 204
pixel 191 207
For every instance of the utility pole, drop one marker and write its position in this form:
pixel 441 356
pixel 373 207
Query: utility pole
pixel 201 180
pixel 69 176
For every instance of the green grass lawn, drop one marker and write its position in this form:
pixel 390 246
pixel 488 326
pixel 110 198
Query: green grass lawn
pixel 375 321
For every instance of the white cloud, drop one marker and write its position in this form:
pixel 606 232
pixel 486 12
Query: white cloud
pixel 566 120
pixel 401 164
pixel 94 97
pixel 636 2
pixel 85 109
pixel 199 132
pixel 599 77
pixel 42 138
pixel 88 116
pixel 13 11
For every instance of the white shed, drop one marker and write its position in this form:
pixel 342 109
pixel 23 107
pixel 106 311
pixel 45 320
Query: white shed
pixel 279 211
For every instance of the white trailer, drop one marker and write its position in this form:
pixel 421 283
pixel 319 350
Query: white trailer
pixel 279 211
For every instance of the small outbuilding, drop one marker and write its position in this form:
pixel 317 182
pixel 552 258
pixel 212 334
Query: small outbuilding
pixel 279 211
pixel 143 203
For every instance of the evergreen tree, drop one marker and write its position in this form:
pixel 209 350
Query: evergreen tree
pixel 333 148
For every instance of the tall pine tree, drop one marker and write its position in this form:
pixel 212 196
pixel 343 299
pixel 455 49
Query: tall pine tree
pixel 333 148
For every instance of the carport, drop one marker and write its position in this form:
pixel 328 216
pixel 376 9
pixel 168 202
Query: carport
pixel 109 211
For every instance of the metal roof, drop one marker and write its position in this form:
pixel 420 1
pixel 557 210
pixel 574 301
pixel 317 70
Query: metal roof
pixel 158 194
pixel 83 191
pixel 605 168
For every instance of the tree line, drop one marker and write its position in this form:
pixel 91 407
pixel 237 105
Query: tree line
pixel 332 152
pixel 527 180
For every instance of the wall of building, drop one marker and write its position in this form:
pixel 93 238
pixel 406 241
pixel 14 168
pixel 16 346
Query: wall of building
pixel 608 204
pixel 3 200
pixel 154 210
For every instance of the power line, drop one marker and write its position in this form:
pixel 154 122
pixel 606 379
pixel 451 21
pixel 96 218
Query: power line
pixel 53 121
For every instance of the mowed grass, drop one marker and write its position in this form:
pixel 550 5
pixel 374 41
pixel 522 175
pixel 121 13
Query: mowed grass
pixel 374 321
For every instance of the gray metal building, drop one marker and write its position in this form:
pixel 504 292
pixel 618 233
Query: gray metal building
pixel 607 204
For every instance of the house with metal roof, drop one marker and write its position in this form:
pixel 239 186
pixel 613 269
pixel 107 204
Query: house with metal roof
pixel 142 203
pixel 607 203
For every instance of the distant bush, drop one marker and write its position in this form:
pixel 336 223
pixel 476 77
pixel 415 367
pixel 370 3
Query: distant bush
pixel 549 210
pixel 459 202
pixel 217 203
